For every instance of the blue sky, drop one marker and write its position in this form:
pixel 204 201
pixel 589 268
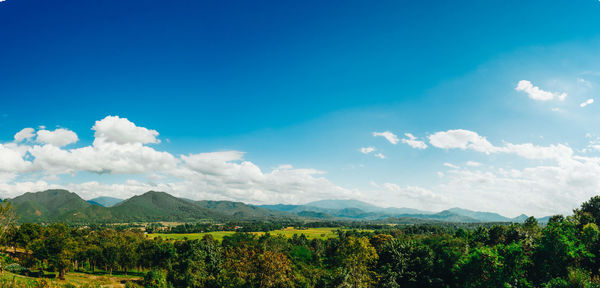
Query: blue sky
pixel 300 88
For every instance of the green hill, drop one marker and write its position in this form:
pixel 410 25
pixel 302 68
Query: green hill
pixel 49 205
pixel 240 210
pixel 65 206
pixel 160 206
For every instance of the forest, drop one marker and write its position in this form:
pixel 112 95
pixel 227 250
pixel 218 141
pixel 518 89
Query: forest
pixel 561 253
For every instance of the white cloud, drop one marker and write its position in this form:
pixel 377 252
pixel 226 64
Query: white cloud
pixel 557 152
pixel 586 103
pixel 465 139
pixel 59 137
pixel 379 155
pixel 538 94
pixel 462 139
pixel 389 136
pixel 119 148
pixel 367 150
pixel 11 159
pixel 412 141
pixel 122 131
pixel 25 134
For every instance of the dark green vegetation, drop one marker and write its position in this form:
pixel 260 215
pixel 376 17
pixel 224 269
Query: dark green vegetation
pixel 63 206
pixel 562 253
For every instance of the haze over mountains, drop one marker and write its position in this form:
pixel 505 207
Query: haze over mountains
pixel 65 206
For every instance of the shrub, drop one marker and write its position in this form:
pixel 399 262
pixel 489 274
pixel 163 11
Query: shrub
pixel 156 279
pixel 16 268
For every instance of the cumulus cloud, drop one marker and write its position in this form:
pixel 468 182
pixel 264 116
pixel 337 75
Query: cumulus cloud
pixel 389 136
pixel 535 93
pixel 120 147
pixel 25 134
pixel 122 131
pixel 586 103
pixel 412 141
pixel 367 150
pixel 469 140
pixel 461 139
pixel 11 159
pixel 59 137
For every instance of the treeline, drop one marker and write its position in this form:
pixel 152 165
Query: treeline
pixel 563 253
pixel 258 226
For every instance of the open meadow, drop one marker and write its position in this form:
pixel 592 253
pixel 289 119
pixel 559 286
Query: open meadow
pixel 72 279
pixel 289 232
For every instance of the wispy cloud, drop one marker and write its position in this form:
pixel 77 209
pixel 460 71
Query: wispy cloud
pixel 389 136
pixel 412 141
pixel 535 93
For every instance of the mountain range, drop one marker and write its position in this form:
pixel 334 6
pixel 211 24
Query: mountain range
pixel 358 210
pixel 64 206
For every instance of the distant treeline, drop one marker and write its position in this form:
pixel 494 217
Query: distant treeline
pixel 563 253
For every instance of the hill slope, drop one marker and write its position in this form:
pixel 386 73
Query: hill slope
pixel 240 210
pixel 49 205
pixel 161 206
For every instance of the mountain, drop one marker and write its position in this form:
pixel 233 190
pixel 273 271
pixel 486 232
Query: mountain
pixel 343 204
pixel 480 216
pixel 161 206
pixel 49 205
pixel 358 210
pixel 520 219
pixel 105 201
pixel 350 203
pixel 65 206
pixel 327 210
pixel 240 210
pixel 152 206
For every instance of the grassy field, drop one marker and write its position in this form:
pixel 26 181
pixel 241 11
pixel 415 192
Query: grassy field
pixel 310 233
pixel 72 278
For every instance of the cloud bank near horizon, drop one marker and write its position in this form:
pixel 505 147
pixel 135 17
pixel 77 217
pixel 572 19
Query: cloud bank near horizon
pixel 40 159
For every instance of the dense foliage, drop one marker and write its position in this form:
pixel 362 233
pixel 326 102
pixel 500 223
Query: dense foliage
pixel 562 253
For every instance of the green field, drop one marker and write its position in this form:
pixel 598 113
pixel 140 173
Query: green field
pixel 75 279
pixel 310 233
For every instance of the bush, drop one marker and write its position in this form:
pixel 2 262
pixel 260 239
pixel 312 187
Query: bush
pixel 42 283
pixel 156 279
pixel 16 268
pixel 557 283
pixel 130 284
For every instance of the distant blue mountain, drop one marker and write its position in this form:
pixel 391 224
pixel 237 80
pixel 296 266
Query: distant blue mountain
pixel 105 201
pixel 355 209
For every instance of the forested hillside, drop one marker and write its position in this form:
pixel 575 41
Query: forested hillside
pixel 562 253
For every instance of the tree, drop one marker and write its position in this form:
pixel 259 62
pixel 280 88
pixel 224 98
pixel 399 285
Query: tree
pixel 589 211
pixel 557 249
pixel 481 268
pixel 7 218
pixel 356 258
pixel 56 246
pixel 405 264
pixel 189 268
